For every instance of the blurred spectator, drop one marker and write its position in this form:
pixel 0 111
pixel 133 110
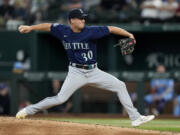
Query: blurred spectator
pixel 161 92
pixel 4 100
pixel 71 4
pixel 6 12
pixel 176 111
pixel 88 4
pixel 67 6
pixel 23 62
pixel 38 18
pixel 13 24
pixel 20 16
pixel 20 10
pixel 65 107
pixel 16 12
pixel 177 15
pixel 37 5
pixel 168 10
pixel 150 10
pixel 112 4
pixel 130 11
pixel 111 10
pixel 38 10
pixel 106 12
pixel 93 8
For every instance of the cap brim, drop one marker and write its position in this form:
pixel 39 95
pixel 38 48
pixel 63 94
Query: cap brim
pixel 84 16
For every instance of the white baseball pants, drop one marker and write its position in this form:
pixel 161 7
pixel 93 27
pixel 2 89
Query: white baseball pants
pixel 77 78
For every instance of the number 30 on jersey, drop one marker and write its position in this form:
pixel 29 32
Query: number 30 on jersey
pixel 87 56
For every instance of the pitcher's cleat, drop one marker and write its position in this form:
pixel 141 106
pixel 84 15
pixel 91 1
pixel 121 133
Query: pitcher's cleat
pixel 142 119
pixel 21 114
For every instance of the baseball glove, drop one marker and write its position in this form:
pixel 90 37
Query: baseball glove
pixel 126 45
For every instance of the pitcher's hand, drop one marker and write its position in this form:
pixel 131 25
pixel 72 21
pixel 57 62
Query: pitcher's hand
pixel 24 29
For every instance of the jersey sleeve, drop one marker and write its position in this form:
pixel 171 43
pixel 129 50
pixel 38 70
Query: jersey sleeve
pixel 170 83
pixel 99 31
pixel 57 30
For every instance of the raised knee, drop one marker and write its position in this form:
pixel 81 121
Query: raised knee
pixel 122 84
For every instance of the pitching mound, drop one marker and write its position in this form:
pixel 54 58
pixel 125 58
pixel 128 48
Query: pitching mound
pixel 12 126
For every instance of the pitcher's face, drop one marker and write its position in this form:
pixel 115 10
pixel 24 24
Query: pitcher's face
pixel 78 23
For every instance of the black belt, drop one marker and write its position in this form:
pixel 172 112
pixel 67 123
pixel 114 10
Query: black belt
pixel 88 67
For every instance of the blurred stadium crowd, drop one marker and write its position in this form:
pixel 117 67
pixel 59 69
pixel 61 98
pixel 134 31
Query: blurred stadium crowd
pixel 16 12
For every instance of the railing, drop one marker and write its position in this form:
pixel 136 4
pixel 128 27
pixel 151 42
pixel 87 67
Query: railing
pixel 138 77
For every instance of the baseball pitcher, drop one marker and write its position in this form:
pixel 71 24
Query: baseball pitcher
pixel 78 41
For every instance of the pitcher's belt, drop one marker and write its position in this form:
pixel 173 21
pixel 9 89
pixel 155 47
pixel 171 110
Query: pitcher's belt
pixel 88 67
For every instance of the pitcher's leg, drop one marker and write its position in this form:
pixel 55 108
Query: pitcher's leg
pixel 126 101
pixel 70 85
pixel 109 82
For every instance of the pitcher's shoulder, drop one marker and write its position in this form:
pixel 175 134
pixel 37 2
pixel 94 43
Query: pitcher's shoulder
pixel 91 27
pixel 58 25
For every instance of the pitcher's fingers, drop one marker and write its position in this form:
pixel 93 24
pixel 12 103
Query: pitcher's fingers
pixel 21 29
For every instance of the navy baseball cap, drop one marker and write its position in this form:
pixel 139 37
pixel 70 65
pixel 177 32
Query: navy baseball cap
pixel 77 13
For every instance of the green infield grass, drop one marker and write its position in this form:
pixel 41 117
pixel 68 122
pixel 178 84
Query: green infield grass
pixel 157 124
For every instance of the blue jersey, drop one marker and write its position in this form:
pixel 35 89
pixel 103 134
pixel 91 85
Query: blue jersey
pixel 80 47
pixel 162 84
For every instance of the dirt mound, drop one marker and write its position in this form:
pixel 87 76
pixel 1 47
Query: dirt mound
pixel 12 126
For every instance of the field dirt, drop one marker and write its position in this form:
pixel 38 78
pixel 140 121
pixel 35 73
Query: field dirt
pixel 13 126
